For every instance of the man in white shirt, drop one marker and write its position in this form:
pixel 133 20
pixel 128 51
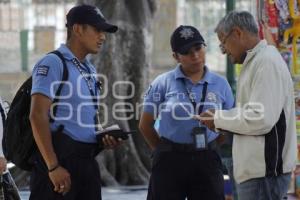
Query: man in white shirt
pixel 264 146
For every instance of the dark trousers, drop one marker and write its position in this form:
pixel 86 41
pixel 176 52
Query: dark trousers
pixel 78 159
pixel 178 175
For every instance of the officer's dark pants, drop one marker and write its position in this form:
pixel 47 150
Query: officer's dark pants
pixel 179 173
pixel 78 159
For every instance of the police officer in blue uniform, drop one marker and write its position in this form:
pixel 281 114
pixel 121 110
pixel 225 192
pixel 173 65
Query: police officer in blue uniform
pixel 65 167
pixel 185 164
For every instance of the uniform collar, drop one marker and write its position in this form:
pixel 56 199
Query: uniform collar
pixel 207 76
pixel 68 55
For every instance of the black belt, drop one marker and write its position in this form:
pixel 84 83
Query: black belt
pixel 168 145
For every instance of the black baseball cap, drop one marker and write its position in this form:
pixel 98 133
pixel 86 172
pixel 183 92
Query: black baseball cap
pixel 91 15
pixel 184 38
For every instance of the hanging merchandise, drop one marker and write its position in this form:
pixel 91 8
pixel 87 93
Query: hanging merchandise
pixel 294 32
pixel 271 14
pixel 260 16
pixel 283 20
pixel 282 6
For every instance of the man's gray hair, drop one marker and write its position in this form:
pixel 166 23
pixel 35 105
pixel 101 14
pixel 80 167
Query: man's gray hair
pixel 241 19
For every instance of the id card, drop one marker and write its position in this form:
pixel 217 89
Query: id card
pixel 200 138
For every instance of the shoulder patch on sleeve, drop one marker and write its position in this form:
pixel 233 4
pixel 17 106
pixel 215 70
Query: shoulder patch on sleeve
pixel 42 70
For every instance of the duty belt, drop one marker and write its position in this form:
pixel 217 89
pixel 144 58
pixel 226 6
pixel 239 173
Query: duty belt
pixel 168 145
pixel 65 146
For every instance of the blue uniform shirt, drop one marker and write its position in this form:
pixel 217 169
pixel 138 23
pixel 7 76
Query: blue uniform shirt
pixel 76 109
pixel 167 98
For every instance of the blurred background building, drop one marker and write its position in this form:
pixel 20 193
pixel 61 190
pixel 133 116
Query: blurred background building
pixel 31 28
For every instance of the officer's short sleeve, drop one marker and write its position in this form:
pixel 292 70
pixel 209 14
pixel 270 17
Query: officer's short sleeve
pixel 229 98
pixel 154 96
pixel 46 76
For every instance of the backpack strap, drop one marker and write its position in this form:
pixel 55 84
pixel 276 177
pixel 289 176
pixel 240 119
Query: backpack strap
pixel 2 114
pixel 64 78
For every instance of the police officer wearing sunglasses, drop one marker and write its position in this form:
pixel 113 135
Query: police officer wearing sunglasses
pixel 185 164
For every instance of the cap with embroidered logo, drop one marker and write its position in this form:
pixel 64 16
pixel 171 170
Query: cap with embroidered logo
pixel 91 15
pixel 184 38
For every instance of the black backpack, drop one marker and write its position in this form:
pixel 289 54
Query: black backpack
pixel 18 142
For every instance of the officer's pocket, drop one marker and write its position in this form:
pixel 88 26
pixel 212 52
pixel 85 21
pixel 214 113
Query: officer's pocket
pixel 157 159
pixel 158 155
